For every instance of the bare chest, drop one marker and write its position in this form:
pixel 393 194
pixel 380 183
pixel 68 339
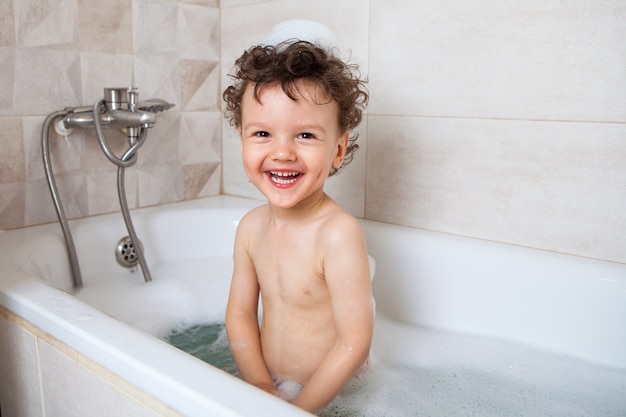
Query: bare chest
pixel 291 272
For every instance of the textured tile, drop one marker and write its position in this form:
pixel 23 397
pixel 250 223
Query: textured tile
pixel 160 184
pixel 199 138
pixel 12 166
pixel 20 393
pixel 72 190
pixel 45 22
pixel 154 27
pixel 158 76
pixel 201 180
pixel 209 3
pixel 7 81
pixel 521 60
pixel 100 71
pixel 65 154
pixel 105 29
pixel 7 24
pixel 199 85
pixel 547 185
pixel 102 191
pixel 199 150
pixel 237 3
pixel 161 144
pixel 92 157
pixel 46 80
pixel 12 205
pixel 197 33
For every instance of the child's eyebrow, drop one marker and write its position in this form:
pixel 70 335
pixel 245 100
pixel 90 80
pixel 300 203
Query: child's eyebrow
pixel 311 126
pixel 259 125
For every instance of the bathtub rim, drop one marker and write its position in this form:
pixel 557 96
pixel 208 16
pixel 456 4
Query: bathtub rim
pixel 185 383
pixel 46 317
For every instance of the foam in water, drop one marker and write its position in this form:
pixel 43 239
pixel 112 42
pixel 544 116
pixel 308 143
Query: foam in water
pixel 415 372
pixel 181 293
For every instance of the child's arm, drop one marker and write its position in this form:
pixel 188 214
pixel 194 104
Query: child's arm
pixel 347 275
pixel 242 325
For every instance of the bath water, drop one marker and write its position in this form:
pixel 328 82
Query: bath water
pixel 416 371
pixel 421 372
pixel 206 342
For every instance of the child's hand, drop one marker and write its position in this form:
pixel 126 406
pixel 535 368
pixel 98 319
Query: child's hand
pixel 269 388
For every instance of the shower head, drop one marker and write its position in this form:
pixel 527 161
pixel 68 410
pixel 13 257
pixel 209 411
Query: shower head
pixel 154 105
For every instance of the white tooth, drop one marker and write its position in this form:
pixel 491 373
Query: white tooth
pixel 284 174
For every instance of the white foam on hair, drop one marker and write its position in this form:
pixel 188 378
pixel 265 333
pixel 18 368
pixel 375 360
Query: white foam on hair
pixel 303 30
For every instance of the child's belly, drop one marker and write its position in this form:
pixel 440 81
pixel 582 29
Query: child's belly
pixel 294 348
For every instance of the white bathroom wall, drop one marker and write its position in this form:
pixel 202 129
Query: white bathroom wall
pixel 501 120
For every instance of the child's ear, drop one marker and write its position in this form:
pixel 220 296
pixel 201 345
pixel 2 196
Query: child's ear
pixel 240 140
pixel 342 147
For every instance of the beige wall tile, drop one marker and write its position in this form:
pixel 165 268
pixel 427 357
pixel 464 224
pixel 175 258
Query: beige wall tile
pixel 12 205
pixel 107 28
pixel 199 149
pixel 46 80
pixel 63 54
pixel 45 22
pixel 20 393
pixel 549 185
pixel 199 138
pixel 7 24
pixel 99 71
pixel 520 60
pixel 12 164
pixel 71 390
pixel 198 179
pixel 154 28
pixel 7 81
pixel 160 184
pixel 197 35
pixel 488 60
pixel 102 194
pixel 199 85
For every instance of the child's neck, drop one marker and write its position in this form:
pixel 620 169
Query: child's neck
pixel 305 210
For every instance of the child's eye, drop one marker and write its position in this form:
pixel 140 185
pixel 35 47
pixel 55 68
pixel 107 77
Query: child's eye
pixel 261 134
pixel 306 135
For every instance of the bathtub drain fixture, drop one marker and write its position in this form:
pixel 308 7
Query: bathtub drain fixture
pixel 125 253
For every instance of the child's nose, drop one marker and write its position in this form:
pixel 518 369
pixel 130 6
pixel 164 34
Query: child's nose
pixel 283 150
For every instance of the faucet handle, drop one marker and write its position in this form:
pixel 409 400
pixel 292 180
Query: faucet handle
pixel 133 93
pixel 120 98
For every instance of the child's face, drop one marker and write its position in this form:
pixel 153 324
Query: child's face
pixel 288 146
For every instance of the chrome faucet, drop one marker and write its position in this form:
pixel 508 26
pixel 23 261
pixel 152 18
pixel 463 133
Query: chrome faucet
pixel 119 109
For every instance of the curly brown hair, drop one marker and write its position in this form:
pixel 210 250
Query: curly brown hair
pixel 290 61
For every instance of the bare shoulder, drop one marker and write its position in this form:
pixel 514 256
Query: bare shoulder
pixel 340 227
pixel 253 218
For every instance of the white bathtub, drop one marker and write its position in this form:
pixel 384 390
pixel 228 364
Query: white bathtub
pixel 455 303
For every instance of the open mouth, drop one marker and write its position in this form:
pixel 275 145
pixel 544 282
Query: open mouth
pixel 283 178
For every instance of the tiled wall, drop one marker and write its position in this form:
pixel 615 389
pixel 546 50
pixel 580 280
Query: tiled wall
pixel 38 372
pixel 60 53
pixel 500 120
pixel 494 119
